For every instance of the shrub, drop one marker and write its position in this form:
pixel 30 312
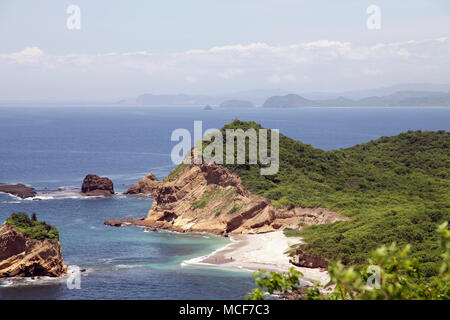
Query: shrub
pixel 32 228
pixel 234 209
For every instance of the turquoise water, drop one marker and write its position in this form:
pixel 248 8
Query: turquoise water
pixel 50 148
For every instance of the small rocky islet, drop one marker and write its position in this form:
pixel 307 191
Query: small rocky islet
pixel 29 248
pixel 18 190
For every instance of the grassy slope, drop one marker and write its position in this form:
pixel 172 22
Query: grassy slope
pixel 395 188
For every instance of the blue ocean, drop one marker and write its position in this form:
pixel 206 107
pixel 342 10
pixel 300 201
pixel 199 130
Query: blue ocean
pixel 50 148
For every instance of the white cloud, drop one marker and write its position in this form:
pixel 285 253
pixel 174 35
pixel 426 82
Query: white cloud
pixel 236 67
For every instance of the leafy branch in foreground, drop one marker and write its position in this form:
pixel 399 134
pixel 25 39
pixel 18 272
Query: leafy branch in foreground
pixel 391 275
pixel 274 282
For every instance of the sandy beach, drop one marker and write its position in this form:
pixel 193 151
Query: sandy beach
pixel 252 252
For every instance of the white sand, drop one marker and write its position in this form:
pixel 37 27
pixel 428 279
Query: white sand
pixel 258 252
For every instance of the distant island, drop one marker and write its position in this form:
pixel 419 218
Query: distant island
pixel 397 99
pixel 407 98
pixel 237 104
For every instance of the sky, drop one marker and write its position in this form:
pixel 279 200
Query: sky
pixel 126 48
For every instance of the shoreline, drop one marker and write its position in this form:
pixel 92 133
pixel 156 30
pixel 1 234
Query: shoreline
pixel 252 252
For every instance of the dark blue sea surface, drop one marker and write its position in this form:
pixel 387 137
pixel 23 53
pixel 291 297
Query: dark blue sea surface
pixel 50 148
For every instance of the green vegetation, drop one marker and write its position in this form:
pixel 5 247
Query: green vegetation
pixel 206 197
pixel 33 228
pixel 396 189
pixel 234 209
pixel 226 193
pixel 175 172
pixel 392 275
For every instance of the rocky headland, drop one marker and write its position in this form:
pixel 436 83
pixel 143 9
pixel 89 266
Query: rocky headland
pixel 209 198
pixel 94 185
pixel 29 248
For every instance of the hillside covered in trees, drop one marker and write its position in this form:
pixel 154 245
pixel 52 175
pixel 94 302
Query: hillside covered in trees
pixel 396 189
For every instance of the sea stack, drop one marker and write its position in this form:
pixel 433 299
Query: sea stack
pixel 145 186
pixel 29 248
pixel 94 185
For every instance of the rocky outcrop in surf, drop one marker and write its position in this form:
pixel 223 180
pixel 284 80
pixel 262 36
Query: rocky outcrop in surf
pixel 29 248
pixel 145 186
pixel 113 223
pixel 94 185
pixel 18 190
pixel 209 198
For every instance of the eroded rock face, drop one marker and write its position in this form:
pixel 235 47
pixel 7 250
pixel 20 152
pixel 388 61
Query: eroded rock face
pixel 145 186
pixel 94 185
pixel 209 198
pixel 21 256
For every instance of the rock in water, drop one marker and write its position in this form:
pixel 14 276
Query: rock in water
pixel 94 185
pixel 30 249
pixel 112 223
pixel 18 190
pixel 145 186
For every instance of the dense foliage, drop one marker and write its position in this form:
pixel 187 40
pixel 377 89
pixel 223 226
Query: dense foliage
pixel 33 228
pixel 395 189
pixel 391 274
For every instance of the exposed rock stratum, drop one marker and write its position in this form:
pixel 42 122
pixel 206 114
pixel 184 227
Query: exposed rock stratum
pixel 210 198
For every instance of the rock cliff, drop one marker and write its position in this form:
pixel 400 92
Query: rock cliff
pixel 209 198
pixel 23 256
